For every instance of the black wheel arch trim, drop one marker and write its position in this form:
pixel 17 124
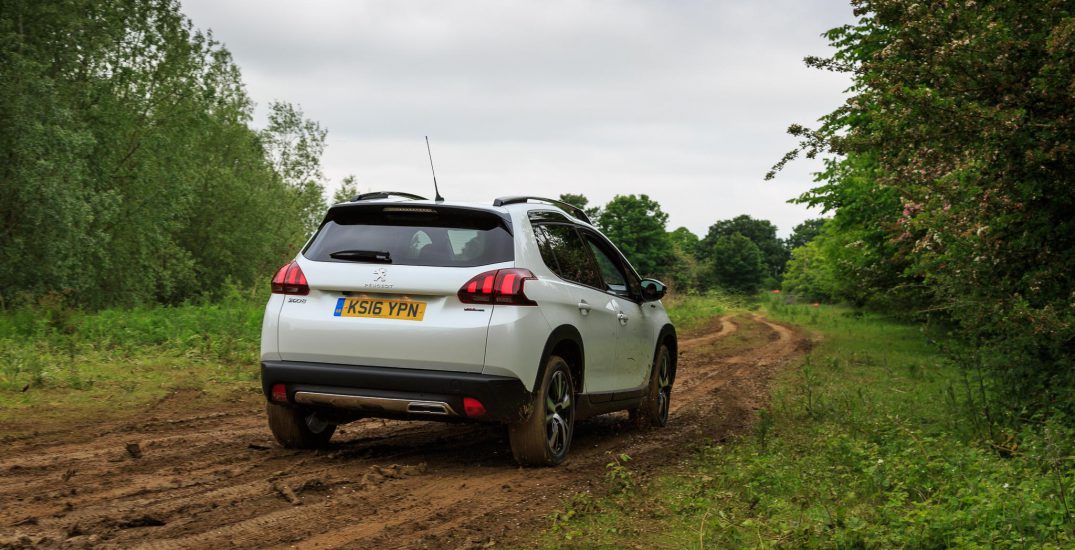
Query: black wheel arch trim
pixel 559 335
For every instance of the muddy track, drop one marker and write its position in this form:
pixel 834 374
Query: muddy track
pixel 182 476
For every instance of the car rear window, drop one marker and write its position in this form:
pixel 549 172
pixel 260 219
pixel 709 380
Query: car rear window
pixel 413 236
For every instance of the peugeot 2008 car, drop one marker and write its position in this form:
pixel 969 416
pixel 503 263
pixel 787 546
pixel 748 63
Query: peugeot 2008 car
pixel 518 312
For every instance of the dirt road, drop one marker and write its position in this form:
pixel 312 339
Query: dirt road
pixel 182 476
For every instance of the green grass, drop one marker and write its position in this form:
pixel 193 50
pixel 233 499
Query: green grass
pixel 57 362
pixel 872 441
pixel 692 311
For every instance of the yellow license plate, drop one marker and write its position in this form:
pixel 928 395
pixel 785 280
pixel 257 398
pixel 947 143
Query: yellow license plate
pixel 406 310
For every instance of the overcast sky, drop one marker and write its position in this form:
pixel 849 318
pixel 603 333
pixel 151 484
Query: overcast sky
pixel 686 101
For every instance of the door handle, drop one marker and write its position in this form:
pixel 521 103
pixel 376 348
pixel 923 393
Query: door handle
pixel 584 307
pixel 622 317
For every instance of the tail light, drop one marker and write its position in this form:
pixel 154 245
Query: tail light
pixel 500 286
pixel 279 393
pixel 290 280
pixel 472 407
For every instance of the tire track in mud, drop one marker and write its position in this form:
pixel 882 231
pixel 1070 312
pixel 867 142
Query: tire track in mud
pixel 215 478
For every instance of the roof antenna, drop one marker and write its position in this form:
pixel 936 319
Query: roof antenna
pixel 438 198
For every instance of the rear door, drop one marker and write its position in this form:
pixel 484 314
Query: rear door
pixel 383 280
pixel 587 308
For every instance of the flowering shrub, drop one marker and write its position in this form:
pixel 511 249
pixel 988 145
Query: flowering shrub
pixel 954 161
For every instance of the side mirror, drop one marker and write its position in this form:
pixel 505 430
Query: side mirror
pixel 653 290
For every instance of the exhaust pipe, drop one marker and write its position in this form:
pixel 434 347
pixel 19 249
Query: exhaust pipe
pixel 428 407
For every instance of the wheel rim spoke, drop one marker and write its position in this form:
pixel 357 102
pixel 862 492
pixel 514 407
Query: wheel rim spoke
pixel 664 385
pixel 315 424
pixel 664 377
pixel 557 413
pixel 556 433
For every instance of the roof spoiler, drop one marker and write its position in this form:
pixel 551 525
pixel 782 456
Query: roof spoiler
pixel 373 195
pixel 574 210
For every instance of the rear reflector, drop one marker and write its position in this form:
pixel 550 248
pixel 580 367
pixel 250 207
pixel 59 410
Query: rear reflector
pixel 500 286
pixel 472 407
pixel 290 280
pixel 279 393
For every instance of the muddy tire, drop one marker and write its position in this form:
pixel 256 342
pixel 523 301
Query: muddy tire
pixel 653 411
pixel 544 437
pixel 295 428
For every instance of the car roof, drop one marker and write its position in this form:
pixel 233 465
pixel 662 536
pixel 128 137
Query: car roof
pixel 516 205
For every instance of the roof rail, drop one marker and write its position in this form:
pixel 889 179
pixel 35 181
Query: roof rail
pixel 386 194
pixel 574 210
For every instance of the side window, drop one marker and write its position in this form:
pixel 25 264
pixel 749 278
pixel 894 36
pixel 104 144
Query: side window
pixel 618 279
pixel 610 273
pixel 615 270
pixel 566 255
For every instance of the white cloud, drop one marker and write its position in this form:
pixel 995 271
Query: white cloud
pixel 686 101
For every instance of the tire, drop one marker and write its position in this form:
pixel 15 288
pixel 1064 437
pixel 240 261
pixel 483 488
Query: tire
pixel 544 437
pixel 653 411
pixel 296 428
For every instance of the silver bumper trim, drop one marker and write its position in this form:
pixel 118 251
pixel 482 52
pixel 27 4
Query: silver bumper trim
pixel 362 402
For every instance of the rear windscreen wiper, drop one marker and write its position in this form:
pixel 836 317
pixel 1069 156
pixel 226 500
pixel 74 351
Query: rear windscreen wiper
pixel 380 256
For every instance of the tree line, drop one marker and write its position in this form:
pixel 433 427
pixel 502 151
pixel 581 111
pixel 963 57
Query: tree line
pixel 741 254
pixel 129 168
pixel 132 172
pixel 949 181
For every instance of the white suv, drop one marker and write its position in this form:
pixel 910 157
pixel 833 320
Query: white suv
pixel 520 313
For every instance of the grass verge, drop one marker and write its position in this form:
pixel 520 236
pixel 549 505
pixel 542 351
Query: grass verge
pixel 58 363
pixel 690 312
pixel 870 442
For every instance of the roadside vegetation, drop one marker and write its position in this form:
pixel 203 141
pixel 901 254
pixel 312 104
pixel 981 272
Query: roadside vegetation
pixel 873 440
pixel 691 312
pixel 63 364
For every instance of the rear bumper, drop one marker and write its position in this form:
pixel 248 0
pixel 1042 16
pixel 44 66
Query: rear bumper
pixel 387 392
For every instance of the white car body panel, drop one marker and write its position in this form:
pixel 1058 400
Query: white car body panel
pixel 515 344
pixel 269 328
pixel 451 336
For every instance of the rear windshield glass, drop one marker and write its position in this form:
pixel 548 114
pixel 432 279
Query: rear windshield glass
pixel 430 237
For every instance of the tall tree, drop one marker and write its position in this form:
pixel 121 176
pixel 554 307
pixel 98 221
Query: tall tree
pixel 294 145
pixel 636 224
pixel 128 169
pixel 738 264
pixel 684 238
pixel 804 233
pixel 761 232
pixel 687 272
pixel 348 190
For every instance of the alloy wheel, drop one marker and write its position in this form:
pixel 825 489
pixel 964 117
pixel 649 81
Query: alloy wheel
pixel 559 411
pixel 664 385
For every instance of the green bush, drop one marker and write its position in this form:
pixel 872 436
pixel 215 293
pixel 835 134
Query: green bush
pixel 951 183
pixel 737 264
